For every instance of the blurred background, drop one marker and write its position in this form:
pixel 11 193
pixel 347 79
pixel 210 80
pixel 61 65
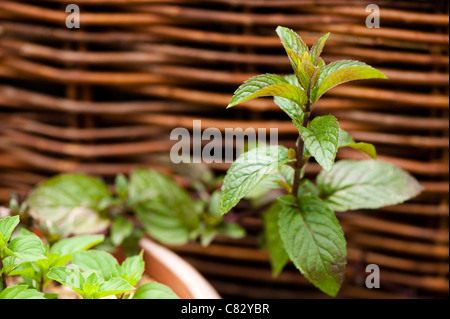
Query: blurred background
pixel 104 98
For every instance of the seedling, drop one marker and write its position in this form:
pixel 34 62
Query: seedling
pixel 301 226
pixel 93 274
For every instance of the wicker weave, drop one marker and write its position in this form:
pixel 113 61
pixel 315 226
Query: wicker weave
pixel 103 100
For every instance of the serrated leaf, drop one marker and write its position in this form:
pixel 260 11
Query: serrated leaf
pixel 154 290
pixel 278 256
pixel 7 226
pixel 132 269
pixel 69 246
pixel 316 49
pixel 70 204
pixel 248 171
pixel 366 185
pixel 292 40
pixel 321 139
pixel 97 260
pixel 292 109
pixel 166 210
pixel 340 72
pixel 345 140
pixel 113 286
pixel 268 85
pixel 314 242
pixel 21 292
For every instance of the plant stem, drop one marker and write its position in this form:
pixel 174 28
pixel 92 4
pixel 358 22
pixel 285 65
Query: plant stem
pixel 4 285
pixel 299 151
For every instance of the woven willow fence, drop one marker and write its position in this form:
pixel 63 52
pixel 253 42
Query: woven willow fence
pixel 104 98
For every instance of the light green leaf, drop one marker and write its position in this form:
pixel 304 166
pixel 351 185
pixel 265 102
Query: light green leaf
pixel 154 290
pixel 314 242
pixel 345 140
pixel 268 85
pixel 321 139
pixel 278 256
pixel 132 269
pixel 316 49
pixel 7 226
pixel 366 185
pixel 69 246
pixel 166 210
pixel 70 204
pixel 342 71
pixel 120 230
pixel 21 292
pixel 248 171
pixel 292 109
pixel 27 248
pixel 97 260
pixel 113 286
pixel 91 284
pixel 68 277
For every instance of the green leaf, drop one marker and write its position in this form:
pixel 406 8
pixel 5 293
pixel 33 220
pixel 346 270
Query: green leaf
pixel 366 185
pixel 232 230
pixel 27 248
pixel 21 292
pixel 314 242
pixel 278 256
pixel 321 139
pixel 340 72
pixel 91 284
pixel 248 171
pixel 316 49
pixel 68 277
pixel 132 269
pixel 166 210
pixel 292 109
pixel 97 260
pixel 70 204
pixel 121 187
pixel 294 46
pixel 121 229
pixel 268 85
pixel 345 140
pixel 69 246
pixel 154 290
pixel 113 286
pixel 7 226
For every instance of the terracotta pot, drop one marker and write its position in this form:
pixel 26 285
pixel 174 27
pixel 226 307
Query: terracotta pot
pixel 166 267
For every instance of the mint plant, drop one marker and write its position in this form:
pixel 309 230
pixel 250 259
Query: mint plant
pixel 301 225
pixel 93 274
pixel 146 203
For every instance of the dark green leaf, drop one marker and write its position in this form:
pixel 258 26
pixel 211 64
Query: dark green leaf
pixel 277 253
pixel 314 242
pixel 248 171
pixel 321 139
pixel 166 210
